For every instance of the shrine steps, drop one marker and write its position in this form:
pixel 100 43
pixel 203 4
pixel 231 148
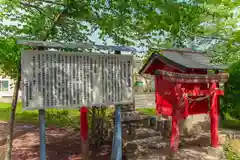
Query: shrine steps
pixel 153 154
pixel 140 133
pixel 145 141
pixel 145 144
pixel 140 137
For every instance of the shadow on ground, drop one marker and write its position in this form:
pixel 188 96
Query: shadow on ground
pixel 61 145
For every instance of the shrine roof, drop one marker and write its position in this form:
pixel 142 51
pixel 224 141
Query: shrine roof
pixel 183 60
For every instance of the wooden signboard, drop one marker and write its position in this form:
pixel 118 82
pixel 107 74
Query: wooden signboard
pixel 54 79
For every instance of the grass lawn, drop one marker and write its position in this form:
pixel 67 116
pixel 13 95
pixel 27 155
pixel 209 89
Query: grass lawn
pixel 55 117
pixel 231 123
pixel 63 117
pixel 60 117
pixel 148 111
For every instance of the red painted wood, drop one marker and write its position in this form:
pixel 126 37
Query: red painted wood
pixel 166 98
pixel 214 113
pixel 84 132
pixel 84 123
pixel 186 106
pixel 156 94
pixel 174 141
pixel 173 91
pixel 177 114
pixel 191 77
pixel 160 65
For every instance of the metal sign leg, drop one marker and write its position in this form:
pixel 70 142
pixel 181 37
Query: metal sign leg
pixel 113 156
pixel 42 135
pixel 117 142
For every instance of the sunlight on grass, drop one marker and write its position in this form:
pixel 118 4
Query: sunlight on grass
pixel 55 117
pixel 63 117
pixel 148 111
pixel 231 124
pixel 232 149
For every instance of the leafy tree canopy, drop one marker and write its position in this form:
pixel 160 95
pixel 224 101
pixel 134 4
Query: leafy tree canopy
pixel 142 22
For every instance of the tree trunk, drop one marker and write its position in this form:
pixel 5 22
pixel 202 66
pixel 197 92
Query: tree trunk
pixel 8 155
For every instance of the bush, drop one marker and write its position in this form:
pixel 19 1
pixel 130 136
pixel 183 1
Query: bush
pixel 231 99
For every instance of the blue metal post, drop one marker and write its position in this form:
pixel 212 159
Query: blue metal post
pixel 113 155
pixel 118 134
pixel 42 134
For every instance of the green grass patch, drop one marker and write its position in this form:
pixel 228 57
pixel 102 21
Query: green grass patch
pixel 231 150
pixel 57 117
pixel 148 111
pixel 230 123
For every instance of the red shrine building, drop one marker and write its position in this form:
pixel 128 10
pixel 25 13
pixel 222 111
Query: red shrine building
pixel 186 83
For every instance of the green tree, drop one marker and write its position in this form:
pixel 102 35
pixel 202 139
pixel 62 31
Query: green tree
pixel 144 22
pixel 10 56
pixel 232 92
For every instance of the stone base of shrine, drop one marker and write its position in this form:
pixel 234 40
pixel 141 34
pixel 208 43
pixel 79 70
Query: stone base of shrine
pixel 209 154
pixel 195 124
pixel 217 153
pixel 192 125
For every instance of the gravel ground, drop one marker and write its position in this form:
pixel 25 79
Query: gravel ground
pixel 61 144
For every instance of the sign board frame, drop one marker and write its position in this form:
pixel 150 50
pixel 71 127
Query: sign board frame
pixel 30 64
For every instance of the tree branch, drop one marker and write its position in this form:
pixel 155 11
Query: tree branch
pixel 40 10
pixel 57 18
pixel 32 6
pixel 51 2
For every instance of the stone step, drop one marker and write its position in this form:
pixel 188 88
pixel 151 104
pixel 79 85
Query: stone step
pixel 139 133
pixel 136 148
pixel 146 132
pixel 132 116
pixel 150 142
pixel 127 107
pixel 153 154
pixel 162 152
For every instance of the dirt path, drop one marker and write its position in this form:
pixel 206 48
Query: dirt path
pixel 61 144
pixel 65 145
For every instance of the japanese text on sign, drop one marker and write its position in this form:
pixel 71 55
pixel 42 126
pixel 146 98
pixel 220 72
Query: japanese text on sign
pixel 52 79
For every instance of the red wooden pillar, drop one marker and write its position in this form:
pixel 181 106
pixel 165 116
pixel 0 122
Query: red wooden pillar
pixel 156 93
pixel 174 142
pixel 84 132
pixel 214 113
pixel 186 106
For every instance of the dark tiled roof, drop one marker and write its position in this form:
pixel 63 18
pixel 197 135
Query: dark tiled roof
pixel 185 59
pixel 190 60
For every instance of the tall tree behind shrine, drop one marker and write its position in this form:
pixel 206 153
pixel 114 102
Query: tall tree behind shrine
pixel 139 23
